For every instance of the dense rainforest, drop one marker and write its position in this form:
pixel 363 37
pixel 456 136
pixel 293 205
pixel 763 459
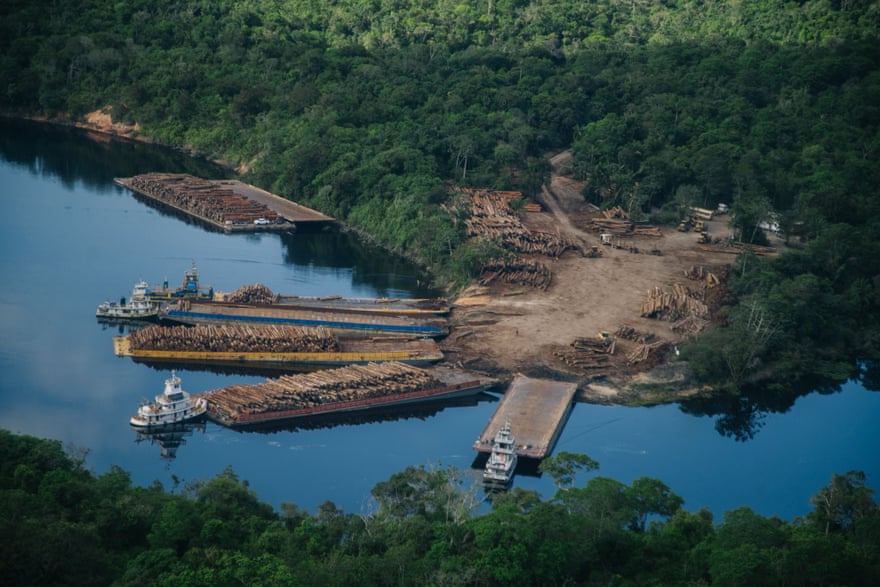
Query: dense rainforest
pixel 372 110
pixel 62 525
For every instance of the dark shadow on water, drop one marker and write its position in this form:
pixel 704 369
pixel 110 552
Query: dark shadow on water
pixel 92 159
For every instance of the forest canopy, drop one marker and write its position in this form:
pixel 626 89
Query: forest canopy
pixel 63 525
pixel 370 111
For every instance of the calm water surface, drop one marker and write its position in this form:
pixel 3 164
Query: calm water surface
pixel 70 238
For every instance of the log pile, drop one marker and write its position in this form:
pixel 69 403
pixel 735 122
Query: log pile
pixel 700 273
pixel 624 227
pixel 630 333
pixel 494 219
pixel 648 354
pixel 588 354
pixel 251 294
pixel 690 325
pixel 266 338
pixel 736 247
pixel 516 270
pixel 680 303
pixel 201 197
pixel 292 392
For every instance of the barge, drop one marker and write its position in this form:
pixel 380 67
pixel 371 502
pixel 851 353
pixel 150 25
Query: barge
pixel 341 391
pixel 196 312
pixel 351 352
pixel 537 409
pixel 259 294
pixel 227 205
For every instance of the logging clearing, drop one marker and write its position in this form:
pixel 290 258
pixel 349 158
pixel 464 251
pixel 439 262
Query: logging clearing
pixel 516 320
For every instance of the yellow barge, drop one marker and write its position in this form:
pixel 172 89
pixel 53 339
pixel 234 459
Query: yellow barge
pixel 418 352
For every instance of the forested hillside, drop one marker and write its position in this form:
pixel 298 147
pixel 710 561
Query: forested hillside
pixel 368 111
pixel 62 525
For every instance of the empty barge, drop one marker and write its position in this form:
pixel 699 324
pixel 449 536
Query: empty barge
pixel 364 324
pixel 536 410
pixel 268 346
pixel 333 392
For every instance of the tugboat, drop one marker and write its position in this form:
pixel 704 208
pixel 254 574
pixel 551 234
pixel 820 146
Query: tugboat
pixel 174 406
pixel 502 461
pixel 191 288
pixel 137 307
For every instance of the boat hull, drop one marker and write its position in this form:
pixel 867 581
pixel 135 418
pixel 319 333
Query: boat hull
pixel 140 425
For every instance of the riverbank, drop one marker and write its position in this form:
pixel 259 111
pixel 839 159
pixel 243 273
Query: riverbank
pixel 503 330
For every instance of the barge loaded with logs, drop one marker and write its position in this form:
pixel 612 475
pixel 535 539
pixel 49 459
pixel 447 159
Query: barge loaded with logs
pixel 355 388
pixel 260 294
pixel 268 347
pixel 227 205
pixel 344 323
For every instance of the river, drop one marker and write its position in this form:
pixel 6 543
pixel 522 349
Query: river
pixel 70 238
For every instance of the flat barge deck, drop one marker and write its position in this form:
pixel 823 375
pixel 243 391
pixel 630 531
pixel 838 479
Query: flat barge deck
pixel 226 204
pixel 332 392
pixel 537 410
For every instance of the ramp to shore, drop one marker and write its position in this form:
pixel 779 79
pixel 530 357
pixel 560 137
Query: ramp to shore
pixel 537 410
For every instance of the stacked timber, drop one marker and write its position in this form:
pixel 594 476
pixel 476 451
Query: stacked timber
pixel 630 333
pixel 251 294
pixel 736 247
pixel 201 197
pixel 516 270
pixel 700 273
pixel 648 354
pixel 493 218
pixel 292 392
pixel 266 338
pixel 690 325
pixel 675 305
pixel 589 354
pixel 624 227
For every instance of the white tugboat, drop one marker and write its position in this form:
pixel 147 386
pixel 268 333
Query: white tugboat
pixel 137 307
pixel 174 406
pixel 502 461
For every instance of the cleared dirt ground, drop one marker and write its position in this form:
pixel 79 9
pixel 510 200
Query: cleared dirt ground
pixel 504 329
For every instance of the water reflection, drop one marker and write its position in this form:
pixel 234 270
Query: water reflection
pixel 62 152
pixel 170 437
pixel 742 416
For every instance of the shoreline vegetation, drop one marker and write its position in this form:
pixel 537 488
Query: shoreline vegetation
pixel 64 525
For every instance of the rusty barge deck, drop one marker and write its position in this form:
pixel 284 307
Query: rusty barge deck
pixel 225 204
pixel 537 410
